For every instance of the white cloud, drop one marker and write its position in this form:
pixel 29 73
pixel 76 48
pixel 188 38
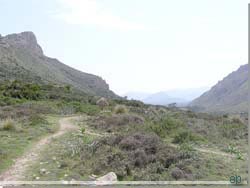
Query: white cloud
pixel 90 12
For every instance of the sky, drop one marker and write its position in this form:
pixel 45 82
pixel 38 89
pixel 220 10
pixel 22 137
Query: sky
pixel 138 45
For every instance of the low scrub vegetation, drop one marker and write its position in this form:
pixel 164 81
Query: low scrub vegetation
pixel 134 140
pixel 186 136
pixel 116 122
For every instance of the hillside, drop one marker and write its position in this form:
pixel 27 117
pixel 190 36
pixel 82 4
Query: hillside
pixel 228 95
pixel 22 58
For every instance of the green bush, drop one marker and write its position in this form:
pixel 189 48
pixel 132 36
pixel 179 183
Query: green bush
pixel 166 126
pixel 186 136
pixel 21 90
pixel 4 101
pixel 231 149
pixel 67 88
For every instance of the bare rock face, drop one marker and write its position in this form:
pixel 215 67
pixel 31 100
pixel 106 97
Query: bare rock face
pixel 111 176
pixel 25 40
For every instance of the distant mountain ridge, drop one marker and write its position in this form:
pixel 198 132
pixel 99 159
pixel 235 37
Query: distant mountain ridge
pixel 162 98
pixel 22 58
pixel 228 95
pixel 179 96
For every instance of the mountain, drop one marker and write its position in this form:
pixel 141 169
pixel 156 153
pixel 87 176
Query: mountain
pixel 22 58
pixel 188 94
pixel 179 96
pixel 137 95
pixel 162 98
pixel 229 95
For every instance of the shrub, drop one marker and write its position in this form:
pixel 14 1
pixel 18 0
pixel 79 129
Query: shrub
pixel 231 149
pixel 20 90
pixel 140 158
pixel 166 126
pixel 92 100
pixel 239 156
pixel 67 88
pixel 186 151
pixel 148 142
pixel 8 124
pixel 177 173
pixel 172 159
pixel 186 136
pixel 133 103
pixel 120 109
pixel 225 115
pixel 114 122
pixel 236 120
pixel 83 130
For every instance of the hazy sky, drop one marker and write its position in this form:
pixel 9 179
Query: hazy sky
pixel 137 45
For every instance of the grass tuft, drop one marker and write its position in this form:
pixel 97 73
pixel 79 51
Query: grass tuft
pixel 8 124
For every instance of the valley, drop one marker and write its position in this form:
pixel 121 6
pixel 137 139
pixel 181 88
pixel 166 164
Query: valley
pixel 57 123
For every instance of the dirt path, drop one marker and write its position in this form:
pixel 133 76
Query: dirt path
pixel 209 151
pixel 16 172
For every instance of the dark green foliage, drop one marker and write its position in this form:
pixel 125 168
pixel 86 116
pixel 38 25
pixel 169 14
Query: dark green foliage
pixel 14 92
pixel 166 126
pixel 67 88
pixel 133 103
pixel 186 136
pixel 76 107
pixel 19 90
pixel 4 101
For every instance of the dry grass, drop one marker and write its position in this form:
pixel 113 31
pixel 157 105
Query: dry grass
pixel 120 109
pixel 8 124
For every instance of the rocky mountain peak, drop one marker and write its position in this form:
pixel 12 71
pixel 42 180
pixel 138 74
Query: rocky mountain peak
pixel 22 58
pixel 25 40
